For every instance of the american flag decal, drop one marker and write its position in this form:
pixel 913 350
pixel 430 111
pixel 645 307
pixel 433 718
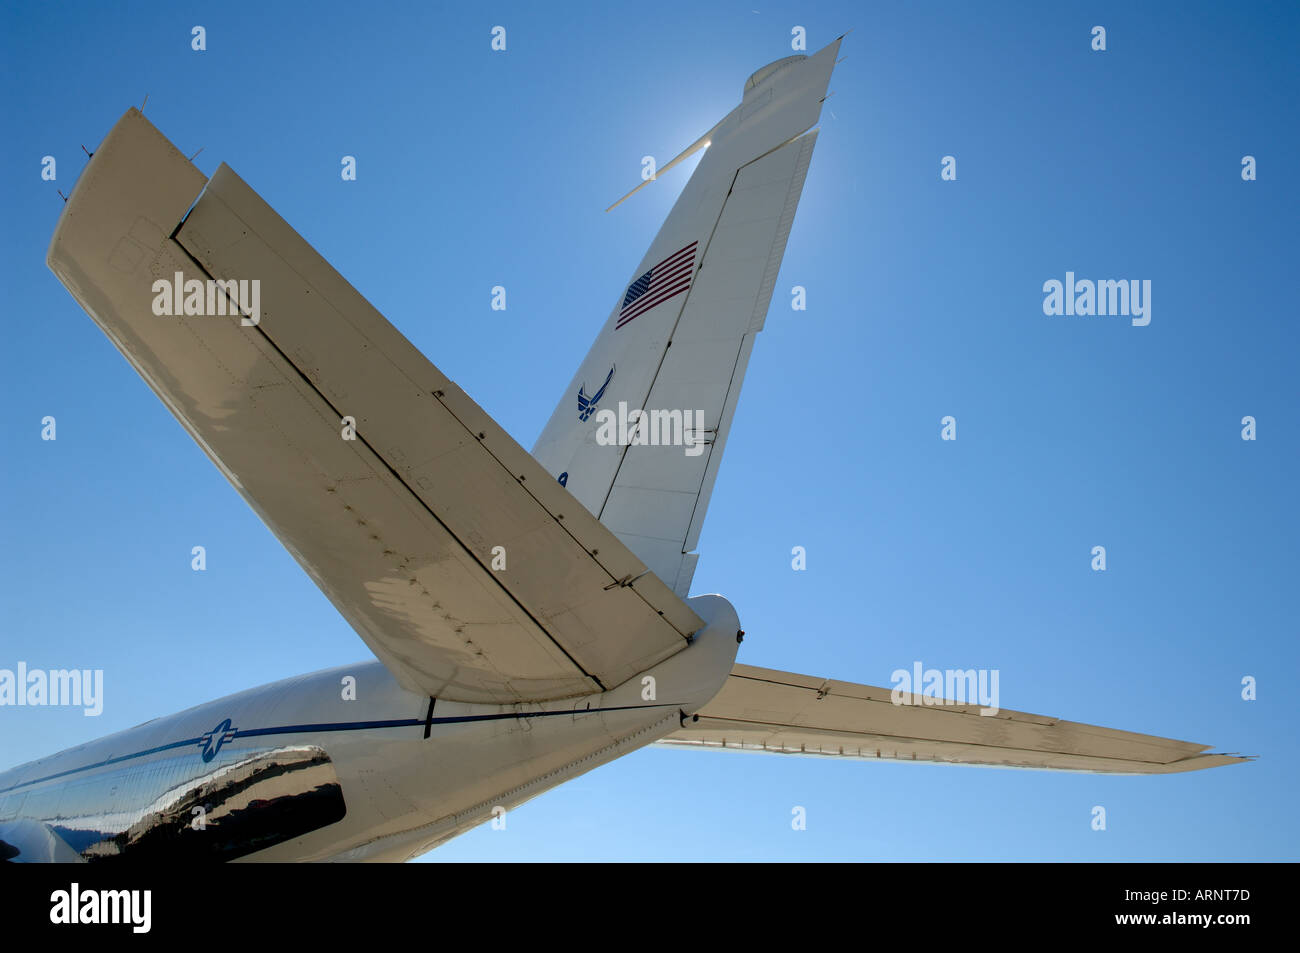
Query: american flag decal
pixel 665 280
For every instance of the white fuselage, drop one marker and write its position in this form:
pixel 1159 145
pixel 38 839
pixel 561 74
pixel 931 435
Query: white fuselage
pixel 342 764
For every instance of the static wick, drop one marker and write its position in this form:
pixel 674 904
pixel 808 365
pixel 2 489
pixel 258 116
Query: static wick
pixel 88 153
pixel 196 155
pixel 145 103
pixel 62 196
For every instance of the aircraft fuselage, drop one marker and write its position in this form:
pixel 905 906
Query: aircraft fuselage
pixel 342 764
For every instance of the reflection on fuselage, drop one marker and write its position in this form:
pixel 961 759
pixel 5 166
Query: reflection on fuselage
pixel 237 803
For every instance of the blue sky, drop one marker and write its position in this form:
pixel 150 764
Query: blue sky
pixel 924 299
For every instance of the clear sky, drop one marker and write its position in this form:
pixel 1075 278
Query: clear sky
pixel 924 297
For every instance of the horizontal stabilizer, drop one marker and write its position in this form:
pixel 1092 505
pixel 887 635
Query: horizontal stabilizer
pixel 459 560
pixel 760 709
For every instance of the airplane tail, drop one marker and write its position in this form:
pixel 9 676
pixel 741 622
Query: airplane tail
pixel 639 433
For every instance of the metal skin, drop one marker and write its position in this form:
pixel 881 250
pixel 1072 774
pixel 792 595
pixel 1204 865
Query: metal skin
pixel 319 768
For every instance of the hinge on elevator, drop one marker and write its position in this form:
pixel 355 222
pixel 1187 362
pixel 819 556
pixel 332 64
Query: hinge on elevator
pixel 626 581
